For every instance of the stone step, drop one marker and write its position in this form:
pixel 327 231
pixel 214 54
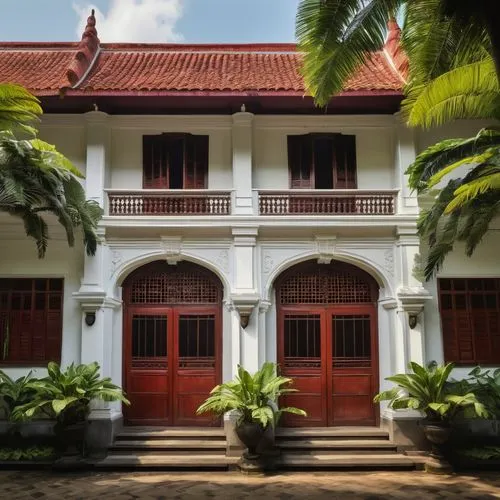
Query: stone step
pixel 307 445
pixel 332 433
pixel 161 433
pixel 172 446
pixel 346 461
pixel 166 462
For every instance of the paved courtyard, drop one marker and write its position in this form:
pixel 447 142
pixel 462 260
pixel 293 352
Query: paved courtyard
pixel 233 485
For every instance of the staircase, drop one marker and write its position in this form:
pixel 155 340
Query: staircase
pixel 361 448
pixel 178 448
pixel 200 448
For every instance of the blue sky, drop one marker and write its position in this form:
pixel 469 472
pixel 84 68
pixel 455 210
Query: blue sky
pixel 188 21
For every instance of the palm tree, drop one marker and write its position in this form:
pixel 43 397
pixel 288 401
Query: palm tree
pixel 338 36
pixel 35 179
pixel 18 109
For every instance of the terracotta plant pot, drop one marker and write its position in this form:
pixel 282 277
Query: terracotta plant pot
pixel 250 435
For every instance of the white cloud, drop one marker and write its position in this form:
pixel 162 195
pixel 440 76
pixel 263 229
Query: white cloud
pixel 151 21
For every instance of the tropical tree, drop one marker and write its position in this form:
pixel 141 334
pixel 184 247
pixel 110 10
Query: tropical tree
pixel 453 49
pixel 36 179
pixel 338 36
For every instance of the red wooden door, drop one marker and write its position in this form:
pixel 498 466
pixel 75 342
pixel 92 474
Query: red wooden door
pixel 172 363
pixel 330 353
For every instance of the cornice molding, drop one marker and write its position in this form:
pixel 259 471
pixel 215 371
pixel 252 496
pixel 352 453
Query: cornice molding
pixel 312 123
pixel 171 123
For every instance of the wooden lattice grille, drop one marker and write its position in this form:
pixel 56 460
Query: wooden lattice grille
pixel 181 284
pixel 326 285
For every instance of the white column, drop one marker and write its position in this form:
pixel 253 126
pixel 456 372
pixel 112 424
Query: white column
pixel 411 294
pixel 242 163
pixel 405 154
pixel 245 296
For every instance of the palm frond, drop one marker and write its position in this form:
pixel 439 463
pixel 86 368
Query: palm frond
pixel 337 37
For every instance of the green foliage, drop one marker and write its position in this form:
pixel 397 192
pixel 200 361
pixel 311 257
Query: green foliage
pixel 255 398
pixel 463 209
pixel 67 394
pixel 19 109
pixel 35 179
pixel 31 453
pixel 486 385
pixel 426 390
pixel 15 392
pixel 483 453
pixel 466 92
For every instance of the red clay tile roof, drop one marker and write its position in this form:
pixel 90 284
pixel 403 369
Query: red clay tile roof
pixel 91 68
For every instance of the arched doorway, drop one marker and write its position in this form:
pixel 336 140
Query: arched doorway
pixel 327 342
pixel 172 342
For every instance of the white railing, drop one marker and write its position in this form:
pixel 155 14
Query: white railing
pixel 168 202
pixel 327 202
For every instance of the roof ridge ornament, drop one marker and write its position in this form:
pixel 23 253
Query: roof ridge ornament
pixel 394 50
pixel 87 51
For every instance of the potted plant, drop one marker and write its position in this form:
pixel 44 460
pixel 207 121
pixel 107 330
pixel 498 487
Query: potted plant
pixel 427 390
pixel 255 399
pixel 67 396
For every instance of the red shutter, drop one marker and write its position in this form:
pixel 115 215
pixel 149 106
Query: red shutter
pixel 300 161
pixel 196 162
pixel 345 162
pixel 155 162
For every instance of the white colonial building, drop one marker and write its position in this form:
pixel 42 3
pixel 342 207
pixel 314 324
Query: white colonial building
pixel 241 225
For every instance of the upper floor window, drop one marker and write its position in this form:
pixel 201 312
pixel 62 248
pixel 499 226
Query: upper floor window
pixel 175 161
pixel 30 320
pixel 322 161
pixel 470 318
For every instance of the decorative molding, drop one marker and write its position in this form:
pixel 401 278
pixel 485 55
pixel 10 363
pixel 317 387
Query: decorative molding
pixel 325 247
pixel 264 306
pixel 388 303
pixel 413 299
pixel 116 260
pixel 332 122
pixel 171 123
pixel 90 300
pixel 172 247
pixel 245 303
pixel 267 262
pixel 223 260
pixel 389 261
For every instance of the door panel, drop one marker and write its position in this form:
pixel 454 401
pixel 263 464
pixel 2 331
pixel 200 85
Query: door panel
pixel 328 351
pixel 148 377
pixel 302 359
pixel 196 364
pixel 352 376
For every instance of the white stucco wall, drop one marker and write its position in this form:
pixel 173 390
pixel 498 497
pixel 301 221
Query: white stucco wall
pixel 126 155
pixel 18 258
pixel 374 150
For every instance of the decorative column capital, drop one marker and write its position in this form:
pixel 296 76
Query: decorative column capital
pixel 245 303
pixel 96 118
pixel 242 119
pixel 325 247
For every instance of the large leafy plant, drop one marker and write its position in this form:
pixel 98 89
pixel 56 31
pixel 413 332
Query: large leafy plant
pixel 486 385
pixel 254 397
pixel 428 391
pixel 15 392
pixel 68 393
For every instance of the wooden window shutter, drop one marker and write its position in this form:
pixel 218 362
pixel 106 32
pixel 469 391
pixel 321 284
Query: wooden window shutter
pixel 345 162
pixel 155 162
pixel 196 162
pixel 300 162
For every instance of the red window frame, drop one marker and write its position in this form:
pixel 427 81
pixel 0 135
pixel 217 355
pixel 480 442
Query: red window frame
pixel 470 320
pixel 30 320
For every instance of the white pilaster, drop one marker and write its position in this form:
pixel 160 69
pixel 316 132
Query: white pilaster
pixel 244 296
pixel 242 163
pixel 405 154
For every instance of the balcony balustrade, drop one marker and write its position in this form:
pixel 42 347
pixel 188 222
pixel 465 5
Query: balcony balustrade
pixel 327 202
pixel 169 202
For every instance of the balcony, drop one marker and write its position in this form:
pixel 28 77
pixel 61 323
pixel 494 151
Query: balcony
pixel 327 202
pixel 147 202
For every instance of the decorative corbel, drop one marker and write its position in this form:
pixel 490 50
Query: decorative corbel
pixel 325 248
pixel 413 300
pixel 172 248
pixel 245 303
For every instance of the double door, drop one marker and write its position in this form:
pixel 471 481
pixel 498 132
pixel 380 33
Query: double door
pixel 331 354
pixel 172 363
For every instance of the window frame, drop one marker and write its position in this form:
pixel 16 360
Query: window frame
pixel 53 337
pixel 451 339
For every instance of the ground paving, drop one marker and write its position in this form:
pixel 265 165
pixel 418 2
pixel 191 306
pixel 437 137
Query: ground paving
pixel 28 485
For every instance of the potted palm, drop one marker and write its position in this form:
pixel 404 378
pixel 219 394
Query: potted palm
pixel 67 395
pixel 255 398
pixel 426 389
